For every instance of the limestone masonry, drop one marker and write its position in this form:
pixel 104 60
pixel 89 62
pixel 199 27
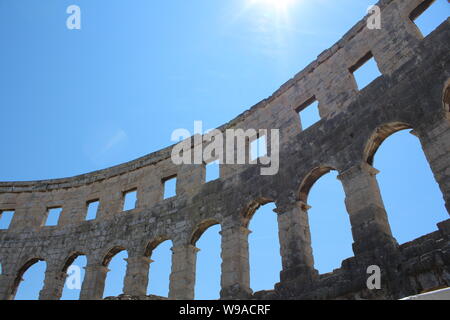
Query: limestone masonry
pixel 413 93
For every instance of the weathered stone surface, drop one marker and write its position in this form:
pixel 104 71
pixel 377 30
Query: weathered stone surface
pixel 412 93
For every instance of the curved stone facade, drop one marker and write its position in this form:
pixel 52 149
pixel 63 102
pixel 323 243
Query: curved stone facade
pixel 413 92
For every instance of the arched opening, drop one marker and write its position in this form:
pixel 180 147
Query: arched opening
pixel 115 260
pixel 74 267
pixel 207 278
pixel 446 100
pixel 264 246
pixel 159 275
pixel 381 134
pixel 30 280
pixel 331 235
pixel 411 196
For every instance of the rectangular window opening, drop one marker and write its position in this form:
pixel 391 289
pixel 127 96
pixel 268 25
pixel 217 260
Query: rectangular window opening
pixel 129 200
pixel 258 148
pixel 365 71
pixel 53 215
pixel 170 187
pixel 5 219
pixel 92 209
pixel 429 15
pixel 309 113
pixel 212 171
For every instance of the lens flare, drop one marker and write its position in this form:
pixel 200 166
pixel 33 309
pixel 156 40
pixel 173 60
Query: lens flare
pixel 278 5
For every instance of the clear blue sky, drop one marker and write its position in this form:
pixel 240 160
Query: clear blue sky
pixel 74 101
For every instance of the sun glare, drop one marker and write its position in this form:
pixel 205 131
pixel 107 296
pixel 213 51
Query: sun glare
pixel 278 5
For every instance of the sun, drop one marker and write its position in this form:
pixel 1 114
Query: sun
pixel 278 5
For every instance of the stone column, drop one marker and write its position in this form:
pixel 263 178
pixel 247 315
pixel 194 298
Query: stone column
pixel 295 242
pixel 94 282
pixel 182 277
pixel 53 285
pixel 370 226
pixel 7 289
pixel 436 145
pixel 136 278
pixel 235 281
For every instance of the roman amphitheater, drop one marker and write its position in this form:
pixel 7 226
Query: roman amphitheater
pixel 413 93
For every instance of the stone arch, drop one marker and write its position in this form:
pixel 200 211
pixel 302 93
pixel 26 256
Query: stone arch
pixel 24 267
pixel 378 136
pixel 160 258
pixel 153 244
pixel 316 218
pixel 71 258
pixel 249 210
pixel 69 291
pixel 208 258
pixel 111 253
pixel 311 178
pixel 201 228
pixel 446 99
pixel 258 215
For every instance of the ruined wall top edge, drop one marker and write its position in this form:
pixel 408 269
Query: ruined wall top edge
pixel 315 73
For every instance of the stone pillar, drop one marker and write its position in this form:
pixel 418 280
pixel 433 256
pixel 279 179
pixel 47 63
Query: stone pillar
pixel 295 242
pixel 7 283
pixel 94 282
pixel 235 281
pixel 136 278
pixel 53 285
pixel 436 145
pixel 370 226
pixel 182 277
